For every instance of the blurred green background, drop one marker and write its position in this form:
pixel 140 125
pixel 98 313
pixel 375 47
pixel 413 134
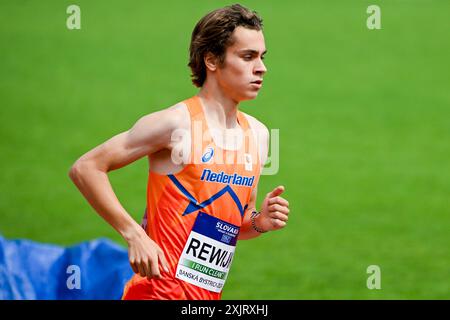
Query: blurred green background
pixel 364 119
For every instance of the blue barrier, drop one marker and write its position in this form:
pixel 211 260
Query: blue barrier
pixel 97 269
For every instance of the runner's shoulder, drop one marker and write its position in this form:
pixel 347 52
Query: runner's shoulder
pixel 257 126
pixel 179 115
pixel 262 136
pixel 168 119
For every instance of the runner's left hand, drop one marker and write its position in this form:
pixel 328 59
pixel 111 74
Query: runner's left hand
pixel 274 211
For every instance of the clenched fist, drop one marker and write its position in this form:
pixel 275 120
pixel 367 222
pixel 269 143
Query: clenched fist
pixel 274 211
pixel 146 257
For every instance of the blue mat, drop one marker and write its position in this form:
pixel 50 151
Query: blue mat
pixel 96 269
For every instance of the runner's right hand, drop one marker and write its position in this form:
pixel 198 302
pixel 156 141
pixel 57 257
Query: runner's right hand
pixel 145 256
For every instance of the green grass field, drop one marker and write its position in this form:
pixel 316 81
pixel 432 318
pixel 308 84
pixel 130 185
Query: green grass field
pixel 364 119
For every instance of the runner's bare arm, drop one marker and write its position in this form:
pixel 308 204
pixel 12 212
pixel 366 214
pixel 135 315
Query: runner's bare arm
pixel 89 173
pixel 274 209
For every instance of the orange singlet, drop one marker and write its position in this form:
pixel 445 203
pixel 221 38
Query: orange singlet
pixel 195 215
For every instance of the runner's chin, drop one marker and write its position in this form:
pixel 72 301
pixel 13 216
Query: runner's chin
pixel 251 92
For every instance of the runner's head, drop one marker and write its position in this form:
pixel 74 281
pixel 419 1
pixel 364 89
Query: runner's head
pixel 227 49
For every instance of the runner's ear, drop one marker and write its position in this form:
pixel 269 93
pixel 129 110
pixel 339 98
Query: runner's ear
pixel 211 61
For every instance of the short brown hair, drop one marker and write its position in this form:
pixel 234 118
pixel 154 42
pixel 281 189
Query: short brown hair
pixel 213 33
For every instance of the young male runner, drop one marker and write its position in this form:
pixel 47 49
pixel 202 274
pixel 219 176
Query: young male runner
pixel 201 188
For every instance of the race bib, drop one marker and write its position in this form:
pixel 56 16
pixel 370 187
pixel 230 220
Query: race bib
pixel 208 253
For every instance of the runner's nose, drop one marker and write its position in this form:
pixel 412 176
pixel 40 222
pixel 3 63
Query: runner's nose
pixel 260 67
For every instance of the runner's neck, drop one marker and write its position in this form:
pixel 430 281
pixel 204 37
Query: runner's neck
pixel 220 111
